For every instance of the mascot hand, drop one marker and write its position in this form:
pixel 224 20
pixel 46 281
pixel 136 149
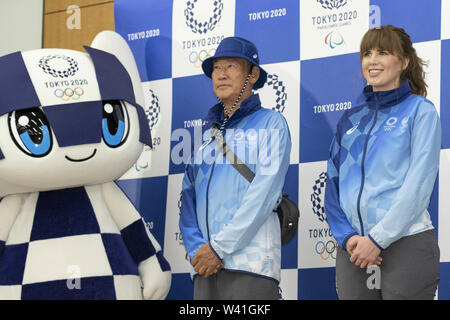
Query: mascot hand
pixel 156 282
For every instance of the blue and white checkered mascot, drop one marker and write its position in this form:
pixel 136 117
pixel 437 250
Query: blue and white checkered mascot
pixel 70 124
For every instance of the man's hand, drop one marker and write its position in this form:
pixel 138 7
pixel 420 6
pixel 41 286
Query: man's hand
pixel 205 262
pixel 351 243
pixel 365 253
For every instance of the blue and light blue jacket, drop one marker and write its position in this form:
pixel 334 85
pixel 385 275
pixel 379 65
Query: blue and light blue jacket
pixel 383 164
pixel 221 207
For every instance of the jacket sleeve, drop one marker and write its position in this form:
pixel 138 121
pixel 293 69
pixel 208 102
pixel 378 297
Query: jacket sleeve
pixel 337 220
pixel 192 236
pixel 263 192
pixel 414 195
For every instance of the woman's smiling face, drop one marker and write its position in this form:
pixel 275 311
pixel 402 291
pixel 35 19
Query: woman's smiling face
pixel 382 69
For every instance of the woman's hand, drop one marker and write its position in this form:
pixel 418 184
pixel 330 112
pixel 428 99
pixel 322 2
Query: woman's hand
pixel 364 252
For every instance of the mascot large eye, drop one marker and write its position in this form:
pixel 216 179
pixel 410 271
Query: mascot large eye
pixel 115 124
pixel 30 131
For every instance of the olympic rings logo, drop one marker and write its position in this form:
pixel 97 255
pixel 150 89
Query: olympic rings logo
pixel 197 58
pixel 326 250
pixel 69 93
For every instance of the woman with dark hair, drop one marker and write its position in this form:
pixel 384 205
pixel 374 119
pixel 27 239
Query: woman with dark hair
pixel 383 165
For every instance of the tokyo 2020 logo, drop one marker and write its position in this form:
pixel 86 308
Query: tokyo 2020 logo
pixel 318 205
pixel 280 92
pixel 332 4
pixel 325 248
pixel 203 27
pixel 153 110
pixel 58 66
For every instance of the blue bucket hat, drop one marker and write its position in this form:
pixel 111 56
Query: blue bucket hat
pixel 235 47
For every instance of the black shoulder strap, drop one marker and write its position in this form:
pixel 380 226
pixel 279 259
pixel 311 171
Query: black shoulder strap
pixel 232 158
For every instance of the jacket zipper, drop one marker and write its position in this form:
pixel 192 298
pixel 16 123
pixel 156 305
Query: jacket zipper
pixel 207 194
pixel 207 200
pixel 363 170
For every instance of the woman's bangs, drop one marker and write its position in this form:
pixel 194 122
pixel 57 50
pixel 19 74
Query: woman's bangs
pixel 380 39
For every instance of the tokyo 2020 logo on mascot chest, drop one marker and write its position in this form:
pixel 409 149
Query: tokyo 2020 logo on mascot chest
pixel 70 124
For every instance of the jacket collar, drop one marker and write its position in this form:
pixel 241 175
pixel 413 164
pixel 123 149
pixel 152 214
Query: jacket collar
pixel 248 106
pixel 385 99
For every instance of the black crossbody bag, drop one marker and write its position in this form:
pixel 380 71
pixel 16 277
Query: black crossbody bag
pixel 287 210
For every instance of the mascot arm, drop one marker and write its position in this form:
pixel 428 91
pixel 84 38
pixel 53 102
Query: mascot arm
pixel 9 209
pixel 143 247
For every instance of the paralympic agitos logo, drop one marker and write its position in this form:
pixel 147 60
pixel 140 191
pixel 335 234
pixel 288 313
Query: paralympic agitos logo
pixel 202 27
pixel 334 39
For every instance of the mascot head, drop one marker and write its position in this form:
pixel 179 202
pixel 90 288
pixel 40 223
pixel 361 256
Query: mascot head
pixel 69 118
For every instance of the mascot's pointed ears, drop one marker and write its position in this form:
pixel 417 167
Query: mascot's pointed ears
pixel 113 43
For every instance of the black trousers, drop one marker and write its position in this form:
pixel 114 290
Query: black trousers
pixel 231 285
pixel 409 270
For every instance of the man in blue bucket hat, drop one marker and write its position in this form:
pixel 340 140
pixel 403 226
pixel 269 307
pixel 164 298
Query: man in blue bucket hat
pixel 231 234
